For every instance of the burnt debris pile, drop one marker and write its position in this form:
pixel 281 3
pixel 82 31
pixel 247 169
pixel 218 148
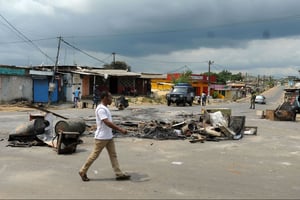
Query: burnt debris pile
pixel 210 126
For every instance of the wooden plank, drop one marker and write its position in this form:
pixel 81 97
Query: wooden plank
pixel 270 114
pixel 229 133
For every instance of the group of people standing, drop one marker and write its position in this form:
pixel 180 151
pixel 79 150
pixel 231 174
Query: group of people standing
pixel 96 97
pixel 76 94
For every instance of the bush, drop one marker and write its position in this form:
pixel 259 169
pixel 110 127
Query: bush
pixel 215 95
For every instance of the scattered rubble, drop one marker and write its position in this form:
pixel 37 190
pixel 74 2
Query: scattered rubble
pixel 289 109
pixel 39 132
pixel 121 102
pixel 209 127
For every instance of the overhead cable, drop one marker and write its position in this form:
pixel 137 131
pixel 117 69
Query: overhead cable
pixel 15 42
pixel 82 51
pixel 25 38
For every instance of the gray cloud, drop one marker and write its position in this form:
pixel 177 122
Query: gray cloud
pixel 147 31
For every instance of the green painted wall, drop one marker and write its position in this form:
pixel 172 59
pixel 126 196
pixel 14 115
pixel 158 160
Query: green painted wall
pixel 11 71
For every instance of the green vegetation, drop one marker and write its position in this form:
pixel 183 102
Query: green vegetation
pixel 224 76
pixel 185 77
pixel 117 65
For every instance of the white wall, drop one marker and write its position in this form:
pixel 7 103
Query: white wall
pixel 74 81
pixel 15 87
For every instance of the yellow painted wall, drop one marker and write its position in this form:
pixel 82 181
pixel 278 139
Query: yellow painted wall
pixel 156 84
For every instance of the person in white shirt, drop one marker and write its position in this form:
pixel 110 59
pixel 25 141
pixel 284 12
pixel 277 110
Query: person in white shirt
pixel 104 139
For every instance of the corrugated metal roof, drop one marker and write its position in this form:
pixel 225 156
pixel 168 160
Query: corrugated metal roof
pixel 109 72
pixel 153 76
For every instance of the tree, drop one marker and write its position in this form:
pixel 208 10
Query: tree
pixel 224 76
pixel 237 77
pixel 185 77
pixel 117 65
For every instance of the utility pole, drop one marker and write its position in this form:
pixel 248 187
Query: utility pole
pixel 52 84
pixel 208 90
pixel 114 57
pixel 57 55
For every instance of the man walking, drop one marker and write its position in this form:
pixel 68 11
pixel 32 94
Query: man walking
pixel 252 100
pixel 104 139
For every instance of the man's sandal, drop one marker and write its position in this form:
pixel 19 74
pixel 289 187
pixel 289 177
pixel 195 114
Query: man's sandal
pixel 123 177
pixel 83 176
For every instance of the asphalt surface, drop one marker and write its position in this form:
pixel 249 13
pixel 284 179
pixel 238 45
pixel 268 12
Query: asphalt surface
pixel 262 166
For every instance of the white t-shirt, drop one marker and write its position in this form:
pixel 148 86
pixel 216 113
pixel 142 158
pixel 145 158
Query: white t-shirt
pixel 103 132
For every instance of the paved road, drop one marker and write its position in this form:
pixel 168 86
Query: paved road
pixel 255 167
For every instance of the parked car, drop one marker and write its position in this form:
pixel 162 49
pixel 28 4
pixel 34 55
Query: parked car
pixel 260 99
pixel 182 93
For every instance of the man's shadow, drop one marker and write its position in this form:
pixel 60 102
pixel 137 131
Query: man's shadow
pixel 135 177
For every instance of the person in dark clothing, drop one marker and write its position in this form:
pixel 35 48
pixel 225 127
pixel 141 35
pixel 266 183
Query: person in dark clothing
pixel 204 99
pixel 96 98
pixel 252 100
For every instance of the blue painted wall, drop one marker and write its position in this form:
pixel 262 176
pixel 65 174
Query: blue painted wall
pixel 40 91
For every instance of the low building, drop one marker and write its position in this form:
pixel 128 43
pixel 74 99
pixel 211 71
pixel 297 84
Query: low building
pixel 15 84
pixel 166 81
pixel 39 84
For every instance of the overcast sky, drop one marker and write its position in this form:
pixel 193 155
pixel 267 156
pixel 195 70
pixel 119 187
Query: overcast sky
pixel 257 37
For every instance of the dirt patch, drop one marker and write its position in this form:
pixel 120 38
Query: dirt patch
pixel 156 99
pixel 13 108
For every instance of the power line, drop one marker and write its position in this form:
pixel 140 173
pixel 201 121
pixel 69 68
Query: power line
pixel 107 57
pixel 180 68
pixel 162 61
pixel 25 38
pixel 6 24
pixel 218 67
pixel 141 60
pixel 16 42
pixel 82 51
